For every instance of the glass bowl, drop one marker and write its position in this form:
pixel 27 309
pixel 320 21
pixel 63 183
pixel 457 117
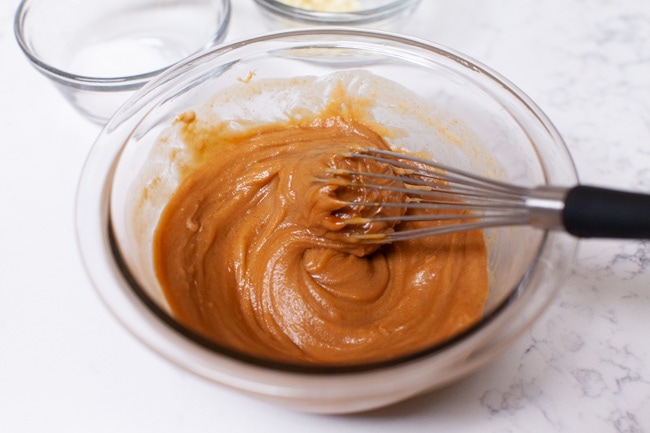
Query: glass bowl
pixel 375 14
pixel 461 111
pixel 98 52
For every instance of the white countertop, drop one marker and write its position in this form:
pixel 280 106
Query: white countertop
pixel 67 366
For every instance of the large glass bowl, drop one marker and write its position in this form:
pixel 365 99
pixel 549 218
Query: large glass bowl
pixel 490 127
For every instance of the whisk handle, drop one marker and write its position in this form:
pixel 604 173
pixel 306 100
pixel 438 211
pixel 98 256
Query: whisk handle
pixel 605 213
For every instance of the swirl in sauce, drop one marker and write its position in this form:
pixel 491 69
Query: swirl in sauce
pixel 251 254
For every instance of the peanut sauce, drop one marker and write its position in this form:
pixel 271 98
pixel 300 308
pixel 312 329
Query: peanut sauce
pixel 250 252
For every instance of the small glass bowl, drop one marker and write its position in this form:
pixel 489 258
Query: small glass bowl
pixel 98 52
pixel 375 14
pixel 129 178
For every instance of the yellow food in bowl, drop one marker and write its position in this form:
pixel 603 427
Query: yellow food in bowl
pixel 325 5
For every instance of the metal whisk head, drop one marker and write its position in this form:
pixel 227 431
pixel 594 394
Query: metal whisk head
pixel 436 199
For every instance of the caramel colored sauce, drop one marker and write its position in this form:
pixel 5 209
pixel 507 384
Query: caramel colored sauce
pixel 251 254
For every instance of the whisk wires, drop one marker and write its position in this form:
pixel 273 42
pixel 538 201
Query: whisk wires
pixel 453 200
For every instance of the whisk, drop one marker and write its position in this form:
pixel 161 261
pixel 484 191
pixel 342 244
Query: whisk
pixel 464 201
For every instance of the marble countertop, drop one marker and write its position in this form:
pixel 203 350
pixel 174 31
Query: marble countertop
pixel 66 364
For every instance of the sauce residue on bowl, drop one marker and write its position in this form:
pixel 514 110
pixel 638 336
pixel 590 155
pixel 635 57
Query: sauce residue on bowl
pixel 248 256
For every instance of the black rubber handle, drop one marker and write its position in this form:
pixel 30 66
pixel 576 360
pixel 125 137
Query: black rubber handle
pixel 604 213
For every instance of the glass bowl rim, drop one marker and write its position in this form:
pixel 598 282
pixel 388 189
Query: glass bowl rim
pixel 125 82
pixel 361 17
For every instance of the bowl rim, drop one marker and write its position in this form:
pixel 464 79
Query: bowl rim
pixel 361 17
pixel 123 82
pixel 151 93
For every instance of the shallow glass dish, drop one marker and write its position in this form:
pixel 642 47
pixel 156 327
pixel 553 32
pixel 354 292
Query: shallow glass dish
pixel 98 52
pixel 492 127
pixel 375 14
